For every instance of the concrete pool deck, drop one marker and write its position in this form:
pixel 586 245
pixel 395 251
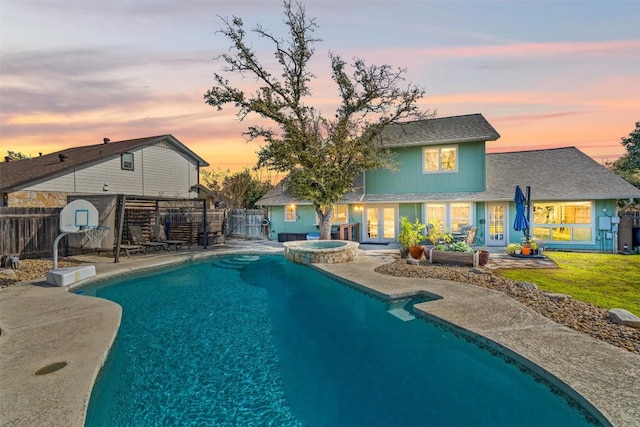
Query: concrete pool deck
pixel 41 325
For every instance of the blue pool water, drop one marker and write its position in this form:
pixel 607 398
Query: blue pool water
pixel 262 341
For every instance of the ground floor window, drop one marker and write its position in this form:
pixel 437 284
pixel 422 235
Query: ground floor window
pixel 290 213
pixel 450 217
pixel 563 221
pixel 340 215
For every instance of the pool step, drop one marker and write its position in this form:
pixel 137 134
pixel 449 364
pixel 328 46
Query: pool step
pixel 403 310
pixel 237 263
pixel 396 309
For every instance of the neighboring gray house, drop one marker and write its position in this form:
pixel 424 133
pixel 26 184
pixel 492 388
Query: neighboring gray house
pixel 156 166
pixel 446 178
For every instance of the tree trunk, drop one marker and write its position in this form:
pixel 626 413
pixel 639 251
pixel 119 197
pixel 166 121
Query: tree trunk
pixel 324 218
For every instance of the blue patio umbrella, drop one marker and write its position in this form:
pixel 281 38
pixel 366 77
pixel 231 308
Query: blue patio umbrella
pixel 521 223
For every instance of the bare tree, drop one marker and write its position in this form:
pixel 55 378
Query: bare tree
pixel 322 155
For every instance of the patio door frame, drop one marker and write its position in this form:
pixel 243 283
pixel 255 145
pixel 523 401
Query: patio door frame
pixel 505 225
pixel 381 223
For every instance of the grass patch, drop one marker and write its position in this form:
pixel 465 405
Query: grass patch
pixel 605 280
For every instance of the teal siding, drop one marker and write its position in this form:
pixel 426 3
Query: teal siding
pixel 409 178
pixel 306 222
pixel 480 222
pixel 411 211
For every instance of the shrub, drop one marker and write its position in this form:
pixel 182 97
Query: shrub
pixel 410 232
pixel 512 248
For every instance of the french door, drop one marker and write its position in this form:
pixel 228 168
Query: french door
pixel 497 226
pixel 380 222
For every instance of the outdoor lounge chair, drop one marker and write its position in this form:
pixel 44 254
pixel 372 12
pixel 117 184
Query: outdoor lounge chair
pixel 137 237
pixel 160 236
pixel 127 247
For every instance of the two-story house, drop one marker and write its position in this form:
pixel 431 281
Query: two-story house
pixel 155 166
pixel 446 178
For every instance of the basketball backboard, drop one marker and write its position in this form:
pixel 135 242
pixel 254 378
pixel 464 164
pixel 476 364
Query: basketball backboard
pixel 77 215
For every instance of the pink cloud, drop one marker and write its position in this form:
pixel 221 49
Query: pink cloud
pixel 516 49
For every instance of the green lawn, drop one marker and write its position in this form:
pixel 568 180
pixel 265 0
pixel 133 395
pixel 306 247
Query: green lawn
pixel 605 280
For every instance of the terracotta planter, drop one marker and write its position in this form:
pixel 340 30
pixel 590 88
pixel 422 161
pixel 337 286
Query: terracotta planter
pixel 416 252
pixel 483 258
pixel 525 250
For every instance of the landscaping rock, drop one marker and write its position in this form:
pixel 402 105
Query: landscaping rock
pixel 8 271
pixel 529 286
pixel 556 297
pixel 624 317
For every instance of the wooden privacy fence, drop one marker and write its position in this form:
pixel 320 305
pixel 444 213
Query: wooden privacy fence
pixel 28 232
pixel 247 223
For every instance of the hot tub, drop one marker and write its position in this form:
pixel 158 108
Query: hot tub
pixel 321 251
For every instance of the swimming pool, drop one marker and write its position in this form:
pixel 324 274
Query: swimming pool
pixel 259 340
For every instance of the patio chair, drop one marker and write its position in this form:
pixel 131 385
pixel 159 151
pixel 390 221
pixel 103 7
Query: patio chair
pixel 127 247
pixel 137 237
pixel 470 237
pixel 160 236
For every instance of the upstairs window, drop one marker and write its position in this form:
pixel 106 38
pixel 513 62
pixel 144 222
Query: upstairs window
pixel 440 159
pixel 126 161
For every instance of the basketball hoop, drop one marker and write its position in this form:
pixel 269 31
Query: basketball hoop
pixel 95 234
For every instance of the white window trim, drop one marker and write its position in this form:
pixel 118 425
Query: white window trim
pixel 333 218
pixel 440 147
pixel 593 225
pixel 295 213
pixel 122 161
pixel 447 212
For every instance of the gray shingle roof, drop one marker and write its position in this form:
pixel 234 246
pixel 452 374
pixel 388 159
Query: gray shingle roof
pixel 554 174
pixel 279 195
pixel 468 128
pixel 18 173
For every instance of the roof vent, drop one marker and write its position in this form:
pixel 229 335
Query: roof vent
pixel 106 140
pixel 63 157
pixel 8 158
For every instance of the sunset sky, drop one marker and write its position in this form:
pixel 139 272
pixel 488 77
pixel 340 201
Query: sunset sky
pixel 544 73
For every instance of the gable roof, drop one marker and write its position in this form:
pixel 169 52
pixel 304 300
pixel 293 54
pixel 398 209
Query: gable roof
pixel 279 194
pixel 18 173
pixel 555 174
pixel 467 128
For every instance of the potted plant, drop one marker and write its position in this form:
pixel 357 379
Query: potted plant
pixel 526 248
pixel 513 249
pixel 410 237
